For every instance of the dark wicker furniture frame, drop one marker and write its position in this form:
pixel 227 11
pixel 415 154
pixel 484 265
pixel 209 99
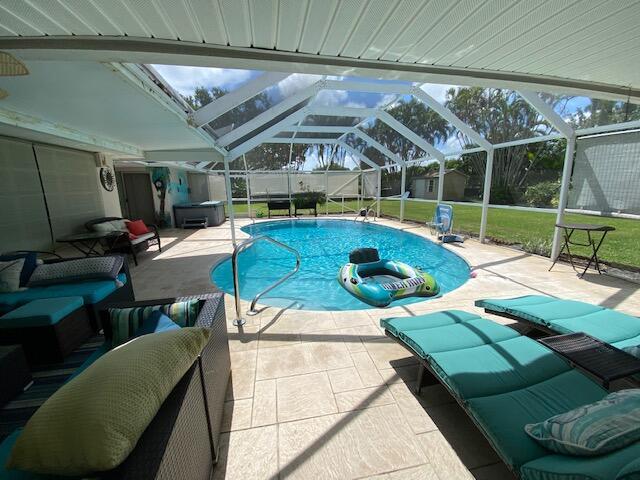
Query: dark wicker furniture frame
pixel 299 204
pixel 601 360
pixel 123 243
pixel 50 343
pixel 279 205
pixel 182 441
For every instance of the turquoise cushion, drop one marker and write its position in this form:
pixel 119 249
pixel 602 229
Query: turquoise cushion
pixel 504 416
pixel 503 304
pixel 428 320
pixel 628 343
pixel 497 367
pixel 154 323
pixel 622 462
pixel 41 312
pixel 91 292
pixel 594 429
pixel 631 471
pixel 455 337
pixel 607 325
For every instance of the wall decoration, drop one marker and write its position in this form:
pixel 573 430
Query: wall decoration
pixel 161 177
pixel 107 179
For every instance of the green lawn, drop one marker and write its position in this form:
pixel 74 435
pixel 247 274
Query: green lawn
pixel 534 230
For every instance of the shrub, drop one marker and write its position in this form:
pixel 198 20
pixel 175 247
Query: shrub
pixel 543 194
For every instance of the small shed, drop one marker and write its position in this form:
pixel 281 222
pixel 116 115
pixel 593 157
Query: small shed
pixel 426 186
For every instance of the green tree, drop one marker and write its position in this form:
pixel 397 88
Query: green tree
pixel 605 112
pixel 500 116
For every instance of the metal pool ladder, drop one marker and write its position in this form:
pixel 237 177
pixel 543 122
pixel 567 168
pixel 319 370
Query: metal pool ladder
pixel 239 321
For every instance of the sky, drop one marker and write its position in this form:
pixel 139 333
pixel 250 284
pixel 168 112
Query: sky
pixel 185 80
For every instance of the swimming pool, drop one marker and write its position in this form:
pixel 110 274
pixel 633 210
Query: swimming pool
pixel 324 246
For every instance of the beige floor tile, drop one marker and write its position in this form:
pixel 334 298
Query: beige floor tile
pixel 407 374
pixel 345 379
pixel 412 409
pixel 241 383
pixel 423 472
pixel 300 359
pixel 243 359
pixel 269 340
pixel 387 353
pixel 236 415
pixel 366 369
pixel 364 398
pixel 351 318
pixel 348 445
pixel 245 454
pixel 443 458
pixel 245 339
pixel 264 404
pixel 304 396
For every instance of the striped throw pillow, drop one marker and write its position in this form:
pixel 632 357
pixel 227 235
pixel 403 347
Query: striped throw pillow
pixel 594 429
pixel 125 321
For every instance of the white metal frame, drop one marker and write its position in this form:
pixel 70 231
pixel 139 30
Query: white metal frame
pixel 292 123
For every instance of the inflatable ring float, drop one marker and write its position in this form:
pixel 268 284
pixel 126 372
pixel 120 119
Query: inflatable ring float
pixel 380 282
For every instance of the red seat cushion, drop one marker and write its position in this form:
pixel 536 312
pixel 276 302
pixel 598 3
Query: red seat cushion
pixel 137 227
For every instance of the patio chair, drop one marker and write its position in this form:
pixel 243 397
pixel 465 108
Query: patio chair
pixel 442 224
pixel 557 316
pixel 504 381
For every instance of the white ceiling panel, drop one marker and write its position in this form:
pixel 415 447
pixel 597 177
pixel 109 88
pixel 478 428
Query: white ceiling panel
pixel 319 18
pixel 392 28
pixel 567 40
pixel 104 104
pixel 36 18
pixel 291 23
pixel 238 24
pixel 264 15
pixel 368 25
pixel 209 17
pixel 119 14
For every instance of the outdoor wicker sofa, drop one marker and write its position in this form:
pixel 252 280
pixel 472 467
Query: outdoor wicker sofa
pixel 182 441
pixel 503 381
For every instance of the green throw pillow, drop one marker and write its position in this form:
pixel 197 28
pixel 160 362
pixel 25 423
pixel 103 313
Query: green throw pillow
pixel 125 321
pixel 93 422
pixel 594 429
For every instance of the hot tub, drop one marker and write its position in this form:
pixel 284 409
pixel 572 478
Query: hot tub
pixel 212 211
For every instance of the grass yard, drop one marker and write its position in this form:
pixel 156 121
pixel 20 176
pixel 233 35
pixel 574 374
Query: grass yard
pixel 533 230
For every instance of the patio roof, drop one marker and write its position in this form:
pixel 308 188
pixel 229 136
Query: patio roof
pixel 575 47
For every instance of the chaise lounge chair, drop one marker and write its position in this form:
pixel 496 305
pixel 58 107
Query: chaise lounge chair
pixel 503 381
pixel 557 316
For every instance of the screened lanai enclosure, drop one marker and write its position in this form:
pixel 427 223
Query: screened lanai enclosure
pixel 361 142
pixel 495 108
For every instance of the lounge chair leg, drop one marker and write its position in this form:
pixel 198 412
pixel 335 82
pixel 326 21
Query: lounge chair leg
pixel 420 379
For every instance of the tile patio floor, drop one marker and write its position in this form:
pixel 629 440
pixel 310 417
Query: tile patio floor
pixel 318 395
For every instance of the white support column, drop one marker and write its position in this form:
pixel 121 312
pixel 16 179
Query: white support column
pixel 486 194
pixel 379 193
pixel 326 190
pixel 227 181
pixel 441 180
pixel 247 185
pixel 564 192
pixel 403 180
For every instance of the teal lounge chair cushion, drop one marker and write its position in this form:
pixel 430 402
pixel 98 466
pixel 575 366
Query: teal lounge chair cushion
pixel 607 325
pixel 504 304
pixel 497 367
pixel 41 312
pixel 92 292
pixel 594 429
pixel 471 333
pixel 504 416
pixel 631 471
pixel 428 320
pixel 620 465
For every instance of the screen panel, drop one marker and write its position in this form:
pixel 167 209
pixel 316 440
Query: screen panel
pixel 606 174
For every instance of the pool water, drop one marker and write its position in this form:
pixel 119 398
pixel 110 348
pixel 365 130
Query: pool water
pixel 324 246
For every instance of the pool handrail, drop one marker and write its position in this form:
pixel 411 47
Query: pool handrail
pixel 239 321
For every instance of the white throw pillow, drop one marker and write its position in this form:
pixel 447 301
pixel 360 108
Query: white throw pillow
pixel 10 275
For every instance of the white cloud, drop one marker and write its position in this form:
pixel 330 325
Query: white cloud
pixel 389 97
pixel 296 82
pixel 186 79
pixel 331 98
pixel 437 91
